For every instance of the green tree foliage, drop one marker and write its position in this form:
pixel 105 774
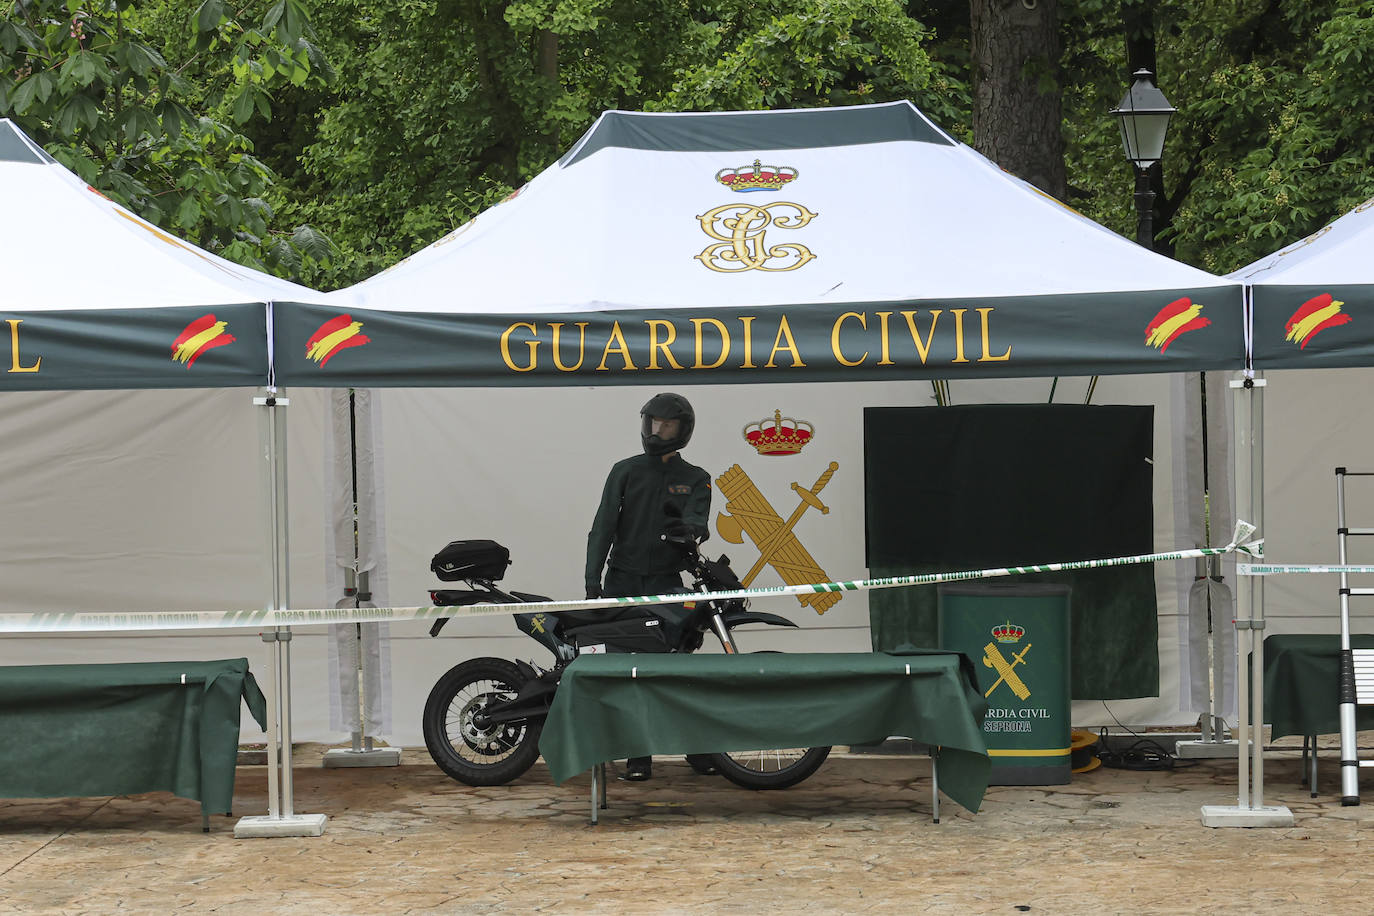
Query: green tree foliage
pixel 88 82
pixel 1275 132
pixel 441 108
pixel 1280 125
pixel 445 107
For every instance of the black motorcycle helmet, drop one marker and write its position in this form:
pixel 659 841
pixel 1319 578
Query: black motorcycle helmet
pixel 666 406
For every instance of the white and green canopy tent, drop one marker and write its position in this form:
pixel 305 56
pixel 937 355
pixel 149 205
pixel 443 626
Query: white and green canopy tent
pixel 848 243
pixel 862 247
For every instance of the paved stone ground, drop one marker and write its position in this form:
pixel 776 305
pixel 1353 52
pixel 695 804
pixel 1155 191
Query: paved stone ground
pixel 855 837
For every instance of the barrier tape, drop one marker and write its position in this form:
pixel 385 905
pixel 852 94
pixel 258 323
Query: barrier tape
pixel 266 619
pixel 1251 569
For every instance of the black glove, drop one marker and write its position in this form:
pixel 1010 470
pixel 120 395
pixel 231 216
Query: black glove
pixel 683 533
pixel 593 592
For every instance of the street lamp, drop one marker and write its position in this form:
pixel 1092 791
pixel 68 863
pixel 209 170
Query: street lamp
pixel 1144 114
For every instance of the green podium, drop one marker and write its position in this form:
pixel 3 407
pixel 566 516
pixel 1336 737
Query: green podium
pixel 1018 636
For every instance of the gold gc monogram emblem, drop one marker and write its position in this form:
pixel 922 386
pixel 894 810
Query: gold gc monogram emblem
pixel 741 241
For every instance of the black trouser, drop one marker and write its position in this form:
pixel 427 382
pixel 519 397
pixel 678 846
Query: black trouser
pixel 622 584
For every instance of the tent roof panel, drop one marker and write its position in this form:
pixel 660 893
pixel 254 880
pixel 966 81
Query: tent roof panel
pixel 635 225
pixel 1338 253
pixel 65 246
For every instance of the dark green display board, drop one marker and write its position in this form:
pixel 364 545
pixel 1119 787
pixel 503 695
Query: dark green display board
pixel 1019 635
pixel 956 488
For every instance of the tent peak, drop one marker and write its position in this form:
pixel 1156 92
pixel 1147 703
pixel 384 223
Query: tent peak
pixel 742 131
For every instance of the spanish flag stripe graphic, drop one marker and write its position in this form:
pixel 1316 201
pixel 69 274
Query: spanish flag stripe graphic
pixel 1314 316
pixel 1165 332
pixel 1177 318
pixel 1315 304
pixel 1169 311
pixel 198 326
pixel 338 333
pixel 1305 326
pixel 205 333
pixel 329 327
pixel 322 347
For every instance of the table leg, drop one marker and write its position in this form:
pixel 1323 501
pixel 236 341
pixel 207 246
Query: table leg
pixel 603 785
pixel 1312 773
pixel 935 783
pixel 597 777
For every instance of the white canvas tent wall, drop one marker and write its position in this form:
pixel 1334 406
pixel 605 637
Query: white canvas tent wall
pixel 906 220
pixel 132 475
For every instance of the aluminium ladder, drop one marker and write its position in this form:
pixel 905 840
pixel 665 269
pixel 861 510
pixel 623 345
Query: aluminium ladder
pixel 1357 665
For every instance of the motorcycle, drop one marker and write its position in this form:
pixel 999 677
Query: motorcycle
pixel 483 718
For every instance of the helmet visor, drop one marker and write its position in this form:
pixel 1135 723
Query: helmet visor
pixel 663 428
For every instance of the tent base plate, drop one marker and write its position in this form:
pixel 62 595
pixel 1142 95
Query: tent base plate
pixel 1197 750
pixel 377 757
pixel 1236 816
pixel 292 825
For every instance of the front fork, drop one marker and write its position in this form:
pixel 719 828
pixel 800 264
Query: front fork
pixel 727 641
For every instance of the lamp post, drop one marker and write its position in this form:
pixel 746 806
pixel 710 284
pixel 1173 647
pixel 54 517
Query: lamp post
pixel 1144 115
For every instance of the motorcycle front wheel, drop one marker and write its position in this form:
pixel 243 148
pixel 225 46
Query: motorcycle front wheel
pixel 477 756
pixel 778 768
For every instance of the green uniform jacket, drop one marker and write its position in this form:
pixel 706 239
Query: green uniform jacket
pixel 630 520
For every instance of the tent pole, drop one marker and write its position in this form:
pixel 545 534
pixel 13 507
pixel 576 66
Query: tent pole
pixel 1250 810
pixel 281 819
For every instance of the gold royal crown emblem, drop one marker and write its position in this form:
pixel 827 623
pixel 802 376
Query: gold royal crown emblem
pixel 779 435
pixel 758 177
pixel 1008 632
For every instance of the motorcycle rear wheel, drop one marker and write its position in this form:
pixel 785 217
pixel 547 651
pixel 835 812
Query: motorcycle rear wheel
pixel 778 768
pixel 476 756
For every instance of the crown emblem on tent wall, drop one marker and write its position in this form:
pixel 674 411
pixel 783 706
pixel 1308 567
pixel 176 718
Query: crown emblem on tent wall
pixel 1008 632
pixel 779 435
pixel 756 177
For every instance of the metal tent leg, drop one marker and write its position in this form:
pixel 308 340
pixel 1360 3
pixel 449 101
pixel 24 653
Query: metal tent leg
pixel 1250 810
pixel 281 819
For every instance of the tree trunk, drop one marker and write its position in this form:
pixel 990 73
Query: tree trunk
pixel 1017 118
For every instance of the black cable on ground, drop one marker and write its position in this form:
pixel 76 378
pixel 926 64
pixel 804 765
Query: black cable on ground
pixel 1143 754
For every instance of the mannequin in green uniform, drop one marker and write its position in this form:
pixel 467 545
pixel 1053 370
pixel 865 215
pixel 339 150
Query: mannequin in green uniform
pixel 646 495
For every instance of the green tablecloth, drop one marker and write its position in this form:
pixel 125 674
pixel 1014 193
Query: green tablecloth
pixel 81 730
pixel 1302 684
pixel 614 706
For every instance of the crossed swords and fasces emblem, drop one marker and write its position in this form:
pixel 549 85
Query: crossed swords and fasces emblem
pixel 992 658
pixel 747 511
